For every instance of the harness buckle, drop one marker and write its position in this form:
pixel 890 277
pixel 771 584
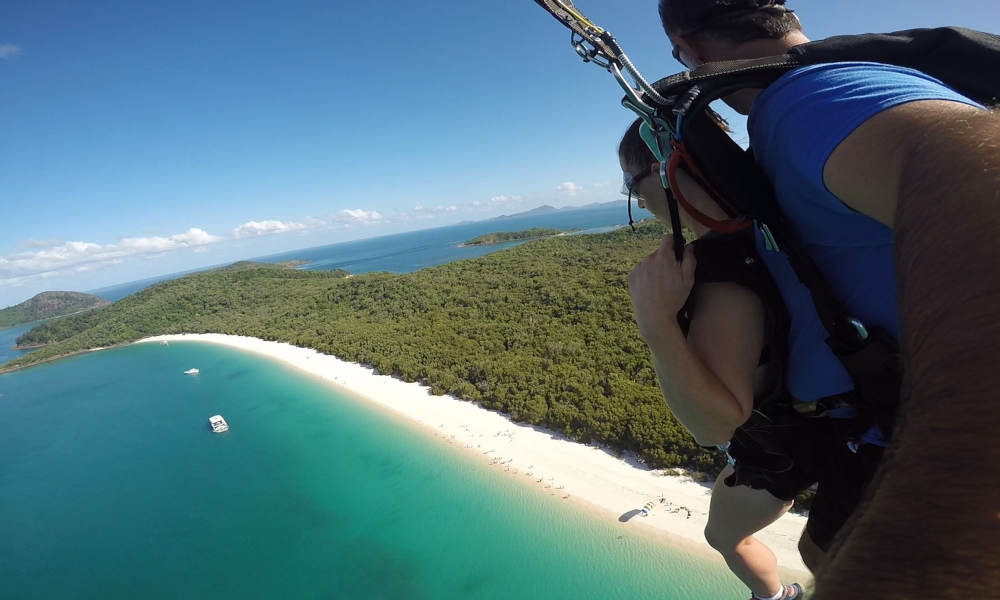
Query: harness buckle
pixel 859 328
pixel 823 406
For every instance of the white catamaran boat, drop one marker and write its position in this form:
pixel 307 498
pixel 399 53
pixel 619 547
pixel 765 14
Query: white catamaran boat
pixel 191 372
pixel 218 424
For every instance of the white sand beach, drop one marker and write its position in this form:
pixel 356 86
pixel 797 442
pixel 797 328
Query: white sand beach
pixel 610 487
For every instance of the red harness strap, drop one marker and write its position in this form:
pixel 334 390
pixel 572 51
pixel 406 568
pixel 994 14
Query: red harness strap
pixel 680 154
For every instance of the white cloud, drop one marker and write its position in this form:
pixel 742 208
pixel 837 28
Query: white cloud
pixel 258 228
pixel 8 51
pixel 147 245
pixel 357 216
pixel 195 237
pixel 58 258
pixel 495 202
pixel 420 208
pixel 422 212
pixel 569 188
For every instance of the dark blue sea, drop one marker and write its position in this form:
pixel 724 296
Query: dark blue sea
pixel 415 250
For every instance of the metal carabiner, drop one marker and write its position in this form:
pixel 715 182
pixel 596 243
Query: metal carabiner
pixel 588 54
pixel 635 103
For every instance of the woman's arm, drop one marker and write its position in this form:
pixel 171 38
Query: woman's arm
pixel 707 378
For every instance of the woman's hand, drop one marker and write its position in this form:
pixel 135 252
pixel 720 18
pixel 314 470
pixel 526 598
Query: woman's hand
pixel 660 286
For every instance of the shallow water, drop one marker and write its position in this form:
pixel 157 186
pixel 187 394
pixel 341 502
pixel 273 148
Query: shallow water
pixel 112 486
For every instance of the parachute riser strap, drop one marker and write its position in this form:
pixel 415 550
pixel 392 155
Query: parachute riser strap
pixel 594 44
pixel 632 100
pixel 738 74
pixel 656 133
pixel 620 58
pixel 568 15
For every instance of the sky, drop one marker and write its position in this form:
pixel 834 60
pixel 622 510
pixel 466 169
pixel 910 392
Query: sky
pixel 139 139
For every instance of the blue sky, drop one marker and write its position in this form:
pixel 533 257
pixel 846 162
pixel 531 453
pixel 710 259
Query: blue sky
pixel 141 138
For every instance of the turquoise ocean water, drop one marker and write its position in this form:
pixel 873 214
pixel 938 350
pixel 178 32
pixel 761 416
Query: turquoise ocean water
pixel 112 486
pixel 7 339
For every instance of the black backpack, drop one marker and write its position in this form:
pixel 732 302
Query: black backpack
pixel 968 61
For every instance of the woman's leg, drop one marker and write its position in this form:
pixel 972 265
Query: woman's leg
pixel 737 513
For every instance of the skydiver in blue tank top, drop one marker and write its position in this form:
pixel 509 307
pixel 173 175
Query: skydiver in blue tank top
pixel 890 179
pixel 717 366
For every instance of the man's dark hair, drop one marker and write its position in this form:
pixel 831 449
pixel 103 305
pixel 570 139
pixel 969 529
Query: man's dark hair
pixel 734 21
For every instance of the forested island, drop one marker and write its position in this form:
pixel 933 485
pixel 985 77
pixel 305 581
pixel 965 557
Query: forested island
pixel 48 305
pixel 510 236
pixel 542 332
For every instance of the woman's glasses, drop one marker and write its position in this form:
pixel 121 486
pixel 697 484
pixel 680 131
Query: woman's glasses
pixel 630 184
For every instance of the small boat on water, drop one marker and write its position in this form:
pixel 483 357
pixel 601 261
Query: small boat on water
pixel 218 424
pixel 191 372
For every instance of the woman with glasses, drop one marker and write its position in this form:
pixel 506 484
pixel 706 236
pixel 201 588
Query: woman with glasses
pixel 731 361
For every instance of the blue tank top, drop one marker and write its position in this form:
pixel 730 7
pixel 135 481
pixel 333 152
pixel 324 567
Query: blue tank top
pixel 812 370
pixel 795 124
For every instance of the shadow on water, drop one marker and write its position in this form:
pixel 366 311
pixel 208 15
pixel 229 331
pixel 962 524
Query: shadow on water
pixel 372 569
pixel 238 374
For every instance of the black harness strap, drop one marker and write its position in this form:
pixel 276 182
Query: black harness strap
pixel 732 258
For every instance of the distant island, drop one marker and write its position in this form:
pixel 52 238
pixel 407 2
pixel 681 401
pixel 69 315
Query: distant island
pixel 543 333
pixel 48 305
pixel 546 209
pixel 534 212
pixel 250 264
pixel 509 236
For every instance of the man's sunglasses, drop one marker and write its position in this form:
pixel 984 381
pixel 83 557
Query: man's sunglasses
pixel 676 53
